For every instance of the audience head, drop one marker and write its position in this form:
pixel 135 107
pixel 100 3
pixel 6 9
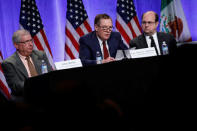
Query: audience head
pixel 103 26
pixel 23 42
pixel 150 21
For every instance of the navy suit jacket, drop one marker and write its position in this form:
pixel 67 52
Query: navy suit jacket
pixel 140 42
pixel 89 45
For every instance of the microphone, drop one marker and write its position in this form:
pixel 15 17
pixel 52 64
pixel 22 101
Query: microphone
pixel 124 54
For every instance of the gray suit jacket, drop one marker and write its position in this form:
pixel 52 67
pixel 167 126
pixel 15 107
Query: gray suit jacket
pixel 16 73
pixel 140 42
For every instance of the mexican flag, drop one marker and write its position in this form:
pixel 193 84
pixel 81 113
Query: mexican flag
pixel 172 20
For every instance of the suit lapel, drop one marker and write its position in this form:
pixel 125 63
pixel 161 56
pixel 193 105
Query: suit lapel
pixel 143 43
pixel 20 65
pixel 160 40
pixel 95 47
pixel 110 46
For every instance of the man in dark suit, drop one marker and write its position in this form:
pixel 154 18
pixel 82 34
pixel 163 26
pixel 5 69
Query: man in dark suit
pixel 16 67
pixel 150 21
pixel 102 40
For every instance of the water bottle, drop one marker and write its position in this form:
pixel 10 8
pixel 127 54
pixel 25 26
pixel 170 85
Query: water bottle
pixel 165 48
pixel 98 57
pixel 44 67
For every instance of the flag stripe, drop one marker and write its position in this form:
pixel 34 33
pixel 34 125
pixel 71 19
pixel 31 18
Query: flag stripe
pixel 79 31
pixel 165 3
pixel 71 47
pixel 74 42
pixel 126 22
pixel 131 28
pixel 77 25
pixel 6 91
pixel 69 52
pixel 87 25
pixel 138 27
pixel 37 43
pixel 124 25
pixel 122 32
pixel 45 41
pixel 4 87
pixel 83 28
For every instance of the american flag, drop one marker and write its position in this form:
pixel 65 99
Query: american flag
pixel 30 20
pixel 127 22
pixel 4 89
pixel 77 25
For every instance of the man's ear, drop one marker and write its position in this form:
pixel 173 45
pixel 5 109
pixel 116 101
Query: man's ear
pixel 16 45
pixel 157 23
pixel 96 27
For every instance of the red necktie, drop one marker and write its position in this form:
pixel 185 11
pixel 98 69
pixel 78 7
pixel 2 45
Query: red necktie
pixel 105 51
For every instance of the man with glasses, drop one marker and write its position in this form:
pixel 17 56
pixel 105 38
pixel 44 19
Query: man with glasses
pixel 152 38
pixel 102 40
pixel 24 63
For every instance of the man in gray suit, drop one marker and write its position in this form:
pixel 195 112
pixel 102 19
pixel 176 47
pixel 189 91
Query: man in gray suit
pixel 150 21
pixel 17 69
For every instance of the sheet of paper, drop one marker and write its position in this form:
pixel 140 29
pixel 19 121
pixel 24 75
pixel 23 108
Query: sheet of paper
pixel 145 52
pixel 68 64
pixel 119 55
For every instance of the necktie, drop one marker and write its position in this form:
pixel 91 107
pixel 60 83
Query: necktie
pixel 32 69
pixel 105 51
pixel 153 44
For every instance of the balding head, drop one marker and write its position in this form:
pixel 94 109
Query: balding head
pixel 151 13
pixel 149 22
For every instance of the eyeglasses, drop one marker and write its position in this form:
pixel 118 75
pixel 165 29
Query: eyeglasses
pixel 148 22
pixel 105 28
pixel 27 41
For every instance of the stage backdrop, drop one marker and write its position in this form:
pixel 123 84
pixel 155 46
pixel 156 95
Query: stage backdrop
pixel 53 15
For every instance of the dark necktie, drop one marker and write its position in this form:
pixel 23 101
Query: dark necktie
pixel 153 44
pixel 32 69
pixel 105 51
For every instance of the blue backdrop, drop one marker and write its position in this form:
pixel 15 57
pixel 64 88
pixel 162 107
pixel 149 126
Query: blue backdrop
pixel 53 14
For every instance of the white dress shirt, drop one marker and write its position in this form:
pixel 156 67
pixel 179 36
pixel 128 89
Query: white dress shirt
pixel 148 40
pixel 25 63
pixel 101 46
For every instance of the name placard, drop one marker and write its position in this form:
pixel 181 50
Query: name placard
pixel 68 64
pixel 145 52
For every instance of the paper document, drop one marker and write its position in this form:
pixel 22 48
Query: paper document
pixel 68 64
pixel 145 52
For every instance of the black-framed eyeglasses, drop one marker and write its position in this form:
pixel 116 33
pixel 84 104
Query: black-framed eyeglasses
pixel 148 22
pixel 27 41
pixel 106 28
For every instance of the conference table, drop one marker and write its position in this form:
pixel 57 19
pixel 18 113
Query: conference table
pixel 136 89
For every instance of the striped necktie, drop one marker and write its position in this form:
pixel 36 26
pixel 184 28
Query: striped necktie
pixel 32 69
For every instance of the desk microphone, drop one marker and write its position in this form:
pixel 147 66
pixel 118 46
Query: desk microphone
pixel 124 54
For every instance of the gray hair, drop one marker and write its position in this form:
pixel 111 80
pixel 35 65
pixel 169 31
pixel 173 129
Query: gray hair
pixel 16 38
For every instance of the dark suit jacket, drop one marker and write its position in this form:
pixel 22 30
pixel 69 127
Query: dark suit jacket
pixel 16 73
pixel 140 42
pixel 89 45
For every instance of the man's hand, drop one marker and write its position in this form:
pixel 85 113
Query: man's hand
pixel 108 59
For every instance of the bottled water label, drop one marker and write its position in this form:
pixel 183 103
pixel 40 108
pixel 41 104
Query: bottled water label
pixel 98 58
pixel 44 67
pixel 165 48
